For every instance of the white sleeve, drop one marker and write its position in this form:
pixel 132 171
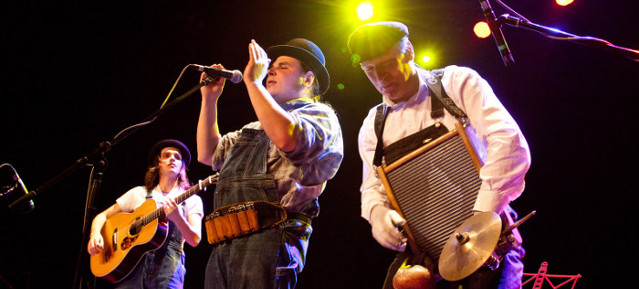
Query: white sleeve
pixel 507 154
pixel 372 189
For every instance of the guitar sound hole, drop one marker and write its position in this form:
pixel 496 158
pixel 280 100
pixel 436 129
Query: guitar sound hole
pixel 128 242
pixel 135 228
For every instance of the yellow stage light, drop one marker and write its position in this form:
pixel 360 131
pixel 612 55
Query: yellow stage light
pixel 364 11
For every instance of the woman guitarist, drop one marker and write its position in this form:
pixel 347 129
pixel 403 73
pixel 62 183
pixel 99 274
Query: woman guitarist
pixel 164 180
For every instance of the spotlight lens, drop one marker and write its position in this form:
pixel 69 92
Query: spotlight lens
pixel 481 29
pixel 365 11
pixel 564 2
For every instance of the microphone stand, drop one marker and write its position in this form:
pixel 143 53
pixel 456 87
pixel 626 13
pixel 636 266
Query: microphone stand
pixel 560 35
pixel 97 160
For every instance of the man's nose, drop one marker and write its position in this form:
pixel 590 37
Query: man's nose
pixel 375 74
pixel 380 72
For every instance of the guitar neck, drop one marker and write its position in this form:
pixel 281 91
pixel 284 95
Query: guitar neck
pixel 201 185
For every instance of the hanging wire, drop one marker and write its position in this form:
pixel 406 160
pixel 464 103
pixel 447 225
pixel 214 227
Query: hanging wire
pixel 144 123
pixel 556 34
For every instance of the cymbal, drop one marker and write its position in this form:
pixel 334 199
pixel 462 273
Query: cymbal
pixel 470 246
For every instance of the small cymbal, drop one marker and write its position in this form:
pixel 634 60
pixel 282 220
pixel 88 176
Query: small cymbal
pixel 470 246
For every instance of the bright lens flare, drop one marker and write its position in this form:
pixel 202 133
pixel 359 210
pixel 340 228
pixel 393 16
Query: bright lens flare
pixel 426 59
pixel 564 2
pixel 364 11
pixel 481 29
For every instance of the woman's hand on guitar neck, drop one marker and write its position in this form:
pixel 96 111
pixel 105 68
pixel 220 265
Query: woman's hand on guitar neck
pixel 171 209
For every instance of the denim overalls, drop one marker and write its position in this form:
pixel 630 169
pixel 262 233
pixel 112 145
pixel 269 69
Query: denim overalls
pixel 161 268
pixel 267 259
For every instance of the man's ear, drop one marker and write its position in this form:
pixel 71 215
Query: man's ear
pixel 410 52
pixel 308 78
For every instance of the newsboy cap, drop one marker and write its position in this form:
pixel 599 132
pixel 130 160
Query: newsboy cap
pixel 374 39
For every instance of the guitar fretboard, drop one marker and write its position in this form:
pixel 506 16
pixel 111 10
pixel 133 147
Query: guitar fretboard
pixel 159 212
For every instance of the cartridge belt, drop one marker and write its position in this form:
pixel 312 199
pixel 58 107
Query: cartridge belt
pixel 241 219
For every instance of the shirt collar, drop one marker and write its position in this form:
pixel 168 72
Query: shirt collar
pixel 296 103
pixel 176 190
pixel 418 97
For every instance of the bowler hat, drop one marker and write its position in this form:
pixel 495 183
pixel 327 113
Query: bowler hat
pixel 374 39
pixel 157 149
pixel 307 52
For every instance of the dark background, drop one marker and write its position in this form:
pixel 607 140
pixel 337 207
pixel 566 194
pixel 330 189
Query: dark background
pixel 76 73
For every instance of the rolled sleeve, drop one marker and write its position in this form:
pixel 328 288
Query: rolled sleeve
pixel 319 144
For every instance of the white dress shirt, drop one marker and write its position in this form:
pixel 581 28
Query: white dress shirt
pixel 494 133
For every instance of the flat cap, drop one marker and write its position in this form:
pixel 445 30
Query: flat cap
pixel 374 39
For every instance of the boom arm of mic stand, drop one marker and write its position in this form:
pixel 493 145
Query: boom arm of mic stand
pixel 560 35
pixel 102 148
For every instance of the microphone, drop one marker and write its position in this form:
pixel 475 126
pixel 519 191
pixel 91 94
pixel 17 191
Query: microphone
pixel 234 76
pixel 21 188
pixel 495 30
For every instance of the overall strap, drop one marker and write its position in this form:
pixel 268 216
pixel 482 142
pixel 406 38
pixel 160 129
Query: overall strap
pixel 440 97
pixel 440 101
pixel 380 120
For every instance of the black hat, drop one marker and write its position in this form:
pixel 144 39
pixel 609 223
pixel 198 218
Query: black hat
pixel 374 39
pixel 157 148
pixel 307 52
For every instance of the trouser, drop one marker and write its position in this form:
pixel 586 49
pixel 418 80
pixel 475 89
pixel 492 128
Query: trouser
pixel 159 269
pixel 268 259
pixel 507 276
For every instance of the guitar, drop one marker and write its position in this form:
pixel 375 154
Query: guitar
pixel 128 236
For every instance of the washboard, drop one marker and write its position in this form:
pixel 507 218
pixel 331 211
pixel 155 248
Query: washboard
pixel 434 188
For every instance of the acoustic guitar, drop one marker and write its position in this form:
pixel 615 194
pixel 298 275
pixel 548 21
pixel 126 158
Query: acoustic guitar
pixel 128 236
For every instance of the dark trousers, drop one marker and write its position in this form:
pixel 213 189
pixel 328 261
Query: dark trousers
pixel 507 276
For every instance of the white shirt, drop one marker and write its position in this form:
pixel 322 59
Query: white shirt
pixel 133 198
pixel 493 132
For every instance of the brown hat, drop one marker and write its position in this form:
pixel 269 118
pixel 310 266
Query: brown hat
pixel 305 51
pixel 374 39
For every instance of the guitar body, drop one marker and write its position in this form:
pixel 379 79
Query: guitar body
pixel 125 244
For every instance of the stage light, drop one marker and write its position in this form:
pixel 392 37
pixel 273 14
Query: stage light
pixel 481 29
pixel 364 11
pixel 340 86
pixel 563 2
pixel 427 58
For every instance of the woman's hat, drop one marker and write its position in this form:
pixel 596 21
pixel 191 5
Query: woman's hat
pixel 158 147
